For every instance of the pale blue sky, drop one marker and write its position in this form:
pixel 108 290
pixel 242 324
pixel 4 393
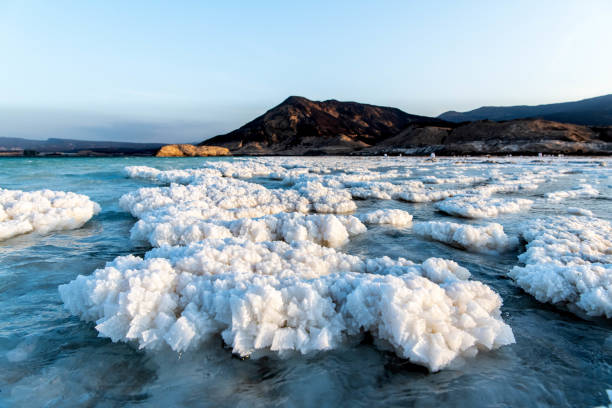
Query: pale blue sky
pixel 187 70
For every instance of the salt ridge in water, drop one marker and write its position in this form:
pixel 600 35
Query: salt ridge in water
pixel 489 238
pixel 482 207
pixel 43 211
pixel 569 262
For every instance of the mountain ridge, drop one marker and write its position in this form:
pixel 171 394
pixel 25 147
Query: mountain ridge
pixel 596 111
pixel 52 145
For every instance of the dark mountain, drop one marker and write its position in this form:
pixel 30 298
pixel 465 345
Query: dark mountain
pixel 74 146
pixel 302 126
pixel 593 112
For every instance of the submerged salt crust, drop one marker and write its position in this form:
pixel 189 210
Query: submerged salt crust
pixel 42 211
pixel 569 262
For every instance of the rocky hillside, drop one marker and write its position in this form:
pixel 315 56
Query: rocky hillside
pixel 299 126
pixel 523 136
pixel 593 112
pixel 302 126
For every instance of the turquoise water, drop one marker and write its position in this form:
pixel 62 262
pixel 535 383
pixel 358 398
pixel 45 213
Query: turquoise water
pixel 49 358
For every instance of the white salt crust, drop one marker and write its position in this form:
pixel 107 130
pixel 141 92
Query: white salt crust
pixel 584 190
pixel 482 207
pixel 289 298
pixel 579 211
pixel 568 262
pixel 394 217
pixel 324 229
pixel 489 238
pixel 42 211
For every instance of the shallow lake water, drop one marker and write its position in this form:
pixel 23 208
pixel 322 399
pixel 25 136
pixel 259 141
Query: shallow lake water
pixel 50 358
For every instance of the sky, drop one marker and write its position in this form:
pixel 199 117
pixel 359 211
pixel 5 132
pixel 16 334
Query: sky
pixel 168 71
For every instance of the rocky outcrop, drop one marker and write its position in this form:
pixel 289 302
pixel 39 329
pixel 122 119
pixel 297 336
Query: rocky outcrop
pixel 187 150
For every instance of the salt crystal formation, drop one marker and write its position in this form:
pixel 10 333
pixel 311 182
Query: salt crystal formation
pixel 279 297
pixel 489 238
pixel 396 218
pixel 584 190
pixel 481 207
pixel 42 211
pixel 569 262
pixel 325 229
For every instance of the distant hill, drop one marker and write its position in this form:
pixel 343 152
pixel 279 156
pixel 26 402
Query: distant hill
pixel 74 146
pixel 592 112
pixel 301 126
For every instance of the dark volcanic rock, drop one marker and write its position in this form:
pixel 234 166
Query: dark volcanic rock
pixel 302 126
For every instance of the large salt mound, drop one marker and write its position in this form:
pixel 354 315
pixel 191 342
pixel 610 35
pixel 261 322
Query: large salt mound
pixel 272 296
pixel 482 207
pixel 325 229
pixel 43 211
pixel 489 238
pixel 568 261
pixel 397 218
